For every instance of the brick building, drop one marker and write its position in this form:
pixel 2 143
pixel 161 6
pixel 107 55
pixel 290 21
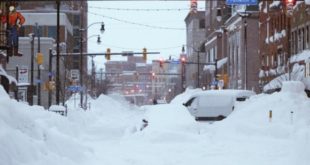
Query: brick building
pixel 284 42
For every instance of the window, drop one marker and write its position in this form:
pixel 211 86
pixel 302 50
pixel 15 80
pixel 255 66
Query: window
pixel 202 24
pixel 212 55
pixel 307 72
pixel 52 31
pixel 189 102
pixel 303 39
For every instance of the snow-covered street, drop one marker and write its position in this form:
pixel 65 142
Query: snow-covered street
pixel 110 133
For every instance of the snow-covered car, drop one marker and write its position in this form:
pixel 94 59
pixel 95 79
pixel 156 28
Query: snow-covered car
pixel 215 104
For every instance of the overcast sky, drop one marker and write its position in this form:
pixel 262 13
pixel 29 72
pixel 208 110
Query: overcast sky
pixel 122 33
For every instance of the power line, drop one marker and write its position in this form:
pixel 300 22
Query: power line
pixel 132 9
pixel 134 23
pixel 119 47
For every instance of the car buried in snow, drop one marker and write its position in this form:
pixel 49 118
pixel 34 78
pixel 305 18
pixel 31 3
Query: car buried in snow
pixel 215 105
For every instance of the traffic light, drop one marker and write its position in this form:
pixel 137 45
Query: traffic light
pixel 153 75
pixel 289 3
pixel 144 52
pixel 39 58
pixel 161 63
pixel 108 54
pixel 183 60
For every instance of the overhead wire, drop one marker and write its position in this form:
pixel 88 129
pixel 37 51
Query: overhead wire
pixel 135 23
pixel 137 9
pixel 124 48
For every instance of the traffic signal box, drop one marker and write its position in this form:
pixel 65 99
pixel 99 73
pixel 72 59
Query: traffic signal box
pixel 183 60
pixel 144 52
pixel 161 63
pixel 289 2
pixel 223 77
pixel 108 54
pixel 39 58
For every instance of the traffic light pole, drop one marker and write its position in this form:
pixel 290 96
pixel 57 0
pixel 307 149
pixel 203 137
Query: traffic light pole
pixel 39 71
pixel 58 53
pixel 50 77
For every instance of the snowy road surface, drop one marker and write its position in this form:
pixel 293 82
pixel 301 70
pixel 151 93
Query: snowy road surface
pixel 109 133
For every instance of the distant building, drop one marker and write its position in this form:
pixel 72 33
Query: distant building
pixel 73 17
pixel 195 49
pixel 131 78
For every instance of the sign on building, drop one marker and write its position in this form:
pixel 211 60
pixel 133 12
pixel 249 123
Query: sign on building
pixel 75 74
pixel 23 74
pixel 241 2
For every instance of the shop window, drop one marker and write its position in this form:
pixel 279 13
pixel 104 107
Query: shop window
pixel 303 39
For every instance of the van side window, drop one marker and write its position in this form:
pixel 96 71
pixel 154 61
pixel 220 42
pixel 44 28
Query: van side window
pixel 189 102
pixel 241 98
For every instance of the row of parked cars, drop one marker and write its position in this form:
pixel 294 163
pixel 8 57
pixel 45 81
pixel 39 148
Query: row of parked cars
pixel 215 104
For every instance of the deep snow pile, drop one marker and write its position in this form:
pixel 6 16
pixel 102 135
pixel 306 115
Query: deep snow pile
pixel 183 97
pixel 110 133
pixel 34 136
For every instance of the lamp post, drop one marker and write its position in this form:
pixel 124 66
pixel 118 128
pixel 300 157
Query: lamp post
pixel 244 16
pixel 219 18
pixel 102 29
pixel 30 95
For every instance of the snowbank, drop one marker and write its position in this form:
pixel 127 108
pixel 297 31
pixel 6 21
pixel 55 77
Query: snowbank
pixel 34 136
pixel 183 97
pixel 30 135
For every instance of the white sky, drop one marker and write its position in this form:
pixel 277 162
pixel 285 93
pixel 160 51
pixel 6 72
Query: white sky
pixel 120 36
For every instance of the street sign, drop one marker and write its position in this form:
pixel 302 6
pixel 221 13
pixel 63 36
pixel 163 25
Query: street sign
pixel 75 74
pixel 174 61
pixel 241 2
pixel 214 82
pixel 23 74
pixel 74 88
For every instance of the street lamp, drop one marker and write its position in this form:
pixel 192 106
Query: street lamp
pixel 244 16
pixel 102 29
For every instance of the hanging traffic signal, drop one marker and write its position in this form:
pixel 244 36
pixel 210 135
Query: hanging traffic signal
pixel 39 58
pixel 183 60
pixel 108 54
pixel 153 75
pixel 144 54
pixel 290 3
pixel 161 63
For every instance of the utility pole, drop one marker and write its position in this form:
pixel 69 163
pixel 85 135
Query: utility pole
pixel 81 63
pixel 198 59
pixel 31 72
pixel 58 52
pixel 39 70
pixel 50 77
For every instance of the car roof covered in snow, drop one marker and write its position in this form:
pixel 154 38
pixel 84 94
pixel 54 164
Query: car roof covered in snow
pixel 226 92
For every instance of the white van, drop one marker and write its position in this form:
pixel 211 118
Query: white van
pixel 215 104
